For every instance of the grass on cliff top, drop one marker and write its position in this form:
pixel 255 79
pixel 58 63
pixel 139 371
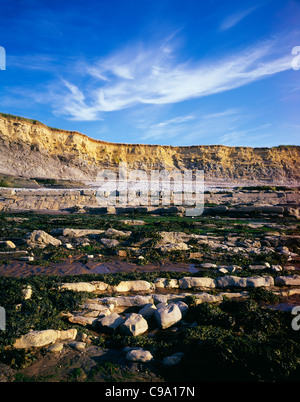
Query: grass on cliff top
pixel 17 182
pixel 24 182
pixel 31 121
pixel 34 121
pixel 267 188
pixel 19 118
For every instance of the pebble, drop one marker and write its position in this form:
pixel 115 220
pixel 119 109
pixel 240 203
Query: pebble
pixel 80 346
pixel 56 347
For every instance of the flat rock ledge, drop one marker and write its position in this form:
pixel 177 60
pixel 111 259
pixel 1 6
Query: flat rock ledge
pixel 185 283
pixel 236 281
pixel 43 338
pixel 166 309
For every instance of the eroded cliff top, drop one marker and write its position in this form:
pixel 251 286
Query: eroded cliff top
pixel 32 149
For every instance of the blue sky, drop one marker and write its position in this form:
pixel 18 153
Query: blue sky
pixel 169 72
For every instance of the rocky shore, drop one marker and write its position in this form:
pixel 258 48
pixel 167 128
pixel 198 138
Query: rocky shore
pixel 134 294
pixel 215 202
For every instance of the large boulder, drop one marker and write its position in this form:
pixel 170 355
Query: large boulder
pixel 147 311
pixel 183 307
pixel 288 280
pixel 135 324
pixel 260 281
pixel 36 339
pixel 231 280
pixel 110 323
pixel 133 286
pixel 197 283
pixel 42 338
pixel 79 287
pixel 167 315
pixel 166 283
pixel 41 239
pixel 252 281
pixel 76 232
pixel 139 355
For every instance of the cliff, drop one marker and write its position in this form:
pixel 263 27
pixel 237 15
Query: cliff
pixel 31 149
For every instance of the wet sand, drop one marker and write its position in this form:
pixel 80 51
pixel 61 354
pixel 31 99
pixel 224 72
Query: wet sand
pixel 73 267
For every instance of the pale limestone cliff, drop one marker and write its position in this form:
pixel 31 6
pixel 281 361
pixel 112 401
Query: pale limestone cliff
pixel 31 149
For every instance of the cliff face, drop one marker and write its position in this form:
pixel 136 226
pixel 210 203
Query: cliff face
pixel 31 149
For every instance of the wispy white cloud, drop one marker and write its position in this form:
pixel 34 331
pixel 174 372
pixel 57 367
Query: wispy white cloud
pixel 235 18
pixel 224 113
pixel 154 76
pixel 41 62
pixel 170 128
pixel 236 137
pixel 184 130
pixel 231 127
pixel 73 104
pixel 176 120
